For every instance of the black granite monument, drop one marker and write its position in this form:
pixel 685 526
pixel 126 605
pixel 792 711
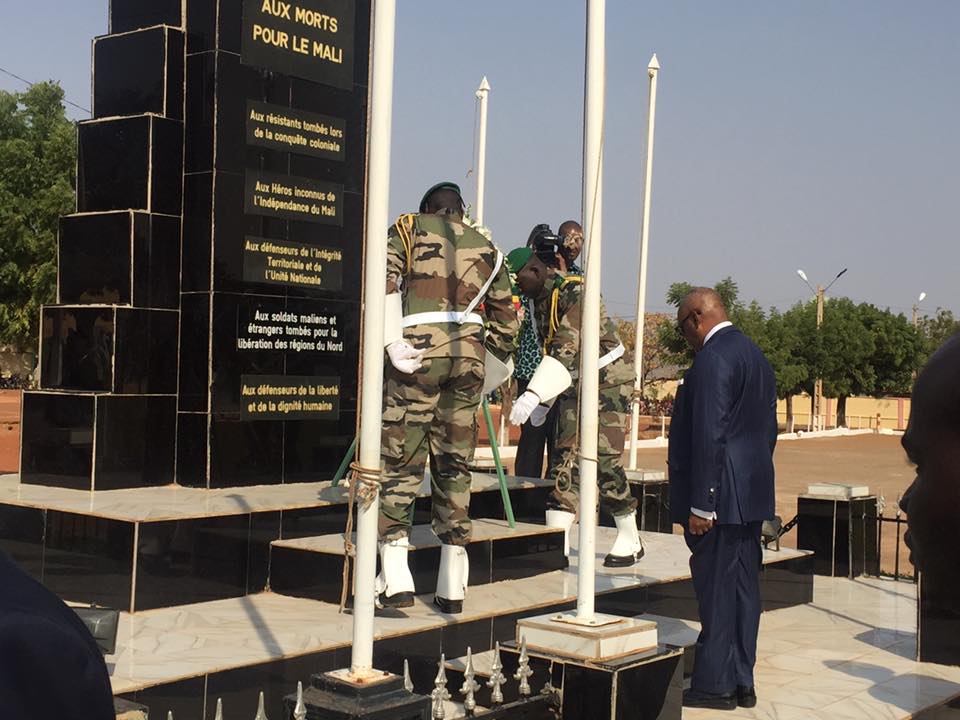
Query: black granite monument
pixel 206 330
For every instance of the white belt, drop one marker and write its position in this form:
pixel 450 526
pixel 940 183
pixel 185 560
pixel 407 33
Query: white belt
pixel 426 318
pixel 614 354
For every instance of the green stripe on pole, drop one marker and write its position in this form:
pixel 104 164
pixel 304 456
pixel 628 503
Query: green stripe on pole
pixel 507 505
pixel 347 459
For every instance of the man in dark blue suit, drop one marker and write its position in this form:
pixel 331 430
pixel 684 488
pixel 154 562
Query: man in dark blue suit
pixel 50 666
pixel 722 438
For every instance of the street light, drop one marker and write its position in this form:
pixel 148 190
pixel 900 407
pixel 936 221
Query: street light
pixel 916 309
pixel 818 384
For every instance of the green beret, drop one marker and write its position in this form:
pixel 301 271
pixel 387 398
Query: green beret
pixel 518 258
pixel 445 185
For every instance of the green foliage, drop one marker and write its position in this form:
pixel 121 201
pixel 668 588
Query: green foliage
pixel 37 168
pixel 656 358
pixel 858 350
pixel 936 330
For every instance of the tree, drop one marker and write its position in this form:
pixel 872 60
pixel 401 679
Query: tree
pixel 935 331
pixel 898 349
pixel 781 344
pixel 37 184
pixel 677 350
pixel 656 357
pixel 842 352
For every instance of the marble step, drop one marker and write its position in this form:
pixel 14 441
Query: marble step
pixel 147 548
pixel 312 567
pixel 178 658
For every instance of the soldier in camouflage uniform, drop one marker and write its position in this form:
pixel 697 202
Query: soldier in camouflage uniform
pixel 557 299
pixel 450 321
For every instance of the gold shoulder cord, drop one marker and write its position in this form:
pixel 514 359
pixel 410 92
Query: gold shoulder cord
pixel 554 308
pixel 405 225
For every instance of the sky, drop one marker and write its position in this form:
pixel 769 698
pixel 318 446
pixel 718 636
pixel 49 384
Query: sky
pixel 815 135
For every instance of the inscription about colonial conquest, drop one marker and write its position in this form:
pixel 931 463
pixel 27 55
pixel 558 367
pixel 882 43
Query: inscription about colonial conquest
pixel 293 198
pixel 281 262
pixel 287 129
pixel 312 39
pixel 289 397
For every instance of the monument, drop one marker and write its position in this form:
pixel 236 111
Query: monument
pixel 206 330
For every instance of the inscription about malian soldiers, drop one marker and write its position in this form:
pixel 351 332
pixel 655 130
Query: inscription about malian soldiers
pixel 293 198
pixel 312 39
pixel 285 331
pixel 287 129
pixel 289 397
pixel 280 262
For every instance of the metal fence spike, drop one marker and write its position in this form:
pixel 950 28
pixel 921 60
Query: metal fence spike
pixel 470 685
pixel 407 682
pixel 300 710
pixel 440 693
pixel 497 679
pixel 523 669
pixel 219 715
pixel 261 712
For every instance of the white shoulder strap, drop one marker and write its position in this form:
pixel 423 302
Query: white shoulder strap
pixel 486 286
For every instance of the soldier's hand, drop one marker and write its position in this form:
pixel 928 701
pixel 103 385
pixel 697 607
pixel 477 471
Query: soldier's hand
pixel 523 407
pixel 539 415
pixel 405 357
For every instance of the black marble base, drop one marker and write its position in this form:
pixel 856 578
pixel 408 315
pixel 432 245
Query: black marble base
pixel 130 163
pixel 841 533
pixel 331 698
pixel 139 72
pixel 119 258
pixel 97 442
pixel 302 573
pixel 653 507
pixel 90 559
pixel 645 686
pixel 109 349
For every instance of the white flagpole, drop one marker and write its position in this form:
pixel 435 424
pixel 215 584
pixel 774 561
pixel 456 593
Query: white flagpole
pixel 482 94
pixel 593 119
pixel 374 288
pixel 653 69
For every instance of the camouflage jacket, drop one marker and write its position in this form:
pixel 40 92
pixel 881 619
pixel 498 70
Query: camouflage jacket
pixel 441 266
pixel 558 317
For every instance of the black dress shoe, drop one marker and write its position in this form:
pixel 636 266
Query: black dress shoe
pixel 746 696
pixel 398 600
pixel 697 699
pixel 622 560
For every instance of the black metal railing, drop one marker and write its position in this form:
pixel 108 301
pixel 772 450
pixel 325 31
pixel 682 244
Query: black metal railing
pixel 900 550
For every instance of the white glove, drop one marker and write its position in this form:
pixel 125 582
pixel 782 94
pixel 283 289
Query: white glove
pixel 405 357
pixel 539 415
pixel 522 407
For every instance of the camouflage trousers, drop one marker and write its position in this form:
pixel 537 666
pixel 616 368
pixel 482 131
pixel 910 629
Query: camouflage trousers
pixel 433 411
pixel 614 491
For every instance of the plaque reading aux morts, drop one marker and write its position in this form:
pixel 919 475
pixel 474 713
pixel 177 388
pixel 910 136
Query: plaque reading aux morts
pixel 293 198
pixel 311 39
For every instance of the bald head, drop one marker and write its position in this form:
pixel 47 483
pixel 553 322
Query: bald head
pixel 700 311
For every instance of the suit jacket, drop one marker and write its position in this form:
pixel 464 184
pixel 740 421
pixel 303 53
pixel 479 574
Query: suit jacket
pixel 723 433
pixel 50 666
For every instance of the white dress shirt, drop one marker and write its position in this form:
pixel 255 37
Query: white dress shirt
pixel 710 515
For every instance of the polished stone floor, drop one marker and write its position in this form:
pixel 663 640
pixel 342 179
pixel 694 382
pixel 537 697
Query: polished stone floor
pixel 165 645
pixel 847 655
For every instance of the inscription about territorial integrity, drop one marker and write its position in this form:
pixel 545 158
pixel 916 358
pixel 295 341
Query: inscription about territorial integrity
pixel 289 397
pixel 281 262
pixel 312 39
pixel 293 198
pixel 287 129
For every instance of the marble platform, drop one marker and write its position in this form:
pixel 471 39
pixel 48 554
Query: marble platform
pixel 269 641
